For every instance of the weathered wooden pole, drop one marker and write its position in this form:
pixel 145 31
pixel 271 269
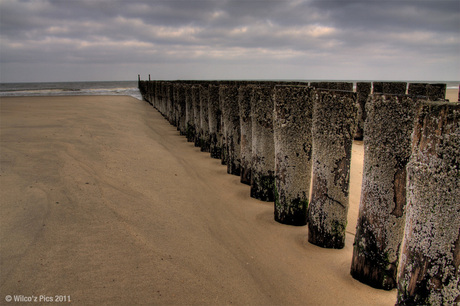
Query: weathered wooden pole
pixel 430 261
pixel 380 227
pixel 244 100
pixel 436 92
pixel 196 114
pixel 215 114
pixel 181 104
pixel 432 92
pixel 204 117
pixel 333 129
pixel 363 90
pixel 417 89
pixel 263 144
pixel 293 146
pixel 394 88
pixel 231 128
pixel 189 114
pixel 347 86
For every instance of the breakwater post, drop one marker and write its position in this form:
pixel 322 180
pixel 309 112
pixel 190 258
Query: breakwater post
pixel 181 111
pixel 231 128
pixel 346 86
pixel 263 144
pixel 244 100
pixel 204 117
pixel 363 90
pixel 189 114
pixel 394 88
pixel 380 227
pixel 432 92
pixel 293 146
pixel 215 114
pixel 333 129
pixel 196 100
pixel 430 259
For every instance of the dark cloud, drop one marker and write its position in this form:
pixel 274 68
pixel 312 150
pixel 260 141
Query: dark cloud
pixel 310 39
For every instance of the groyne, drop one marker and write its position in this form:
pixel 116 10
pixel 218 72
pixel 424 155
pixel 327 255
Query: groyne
pixel 279 136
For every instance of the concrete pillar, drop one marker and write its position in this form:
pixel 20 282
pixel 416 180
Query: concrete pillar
pixel 293 145
pixel 204 117
pixel 244 100
pixel 394 88
pixel 263 144
pixel 231 128
pixel 196 99
pixel 215 115
pixel 380 227
pixel 334 125
pixel 363 90
pixel 430 261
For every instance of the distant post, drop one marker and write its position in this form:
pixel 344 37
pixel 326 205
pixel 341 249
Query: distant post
pixel 380 227
pixel 214 113
pixel 363 90
pixel 231 128
pixel 263 144
pixel 393 88
pixel 333 129
pixel 293 146
pixel 430 260
pixel 196 114
pixel 244 100
pixel 189 114
pixel 204 117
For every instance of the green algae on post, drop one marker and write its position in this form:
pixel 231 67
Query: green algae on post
pixel 429 271
pixel 333 128
pixel 380 226
pixel 293 145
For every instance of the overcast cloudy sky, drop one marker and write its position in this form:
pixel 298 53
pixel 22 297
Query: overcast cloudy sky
pixel 61 40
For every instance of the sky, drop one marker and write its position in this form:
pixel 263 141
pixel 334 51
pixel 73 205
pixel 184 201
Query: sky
pixel 97 40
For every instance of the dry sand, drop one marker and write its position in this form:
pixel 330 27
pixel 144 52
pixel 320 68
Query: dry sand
pixel 103 201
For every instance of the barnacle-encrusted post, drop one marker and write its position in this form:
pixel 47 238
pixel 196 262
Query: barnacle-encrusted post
pixel 231 128
pixel 333 129
pixel 196 114
pixel 244 100
pixel 380 226
pixel 263 144
pixel 204 117
pixel 430 260
pixel 215 114
pixel 293 144
pixel 363 90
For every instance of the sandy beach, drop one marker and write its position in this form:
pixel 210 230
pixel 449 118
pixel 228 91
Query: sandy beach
pixel 102 200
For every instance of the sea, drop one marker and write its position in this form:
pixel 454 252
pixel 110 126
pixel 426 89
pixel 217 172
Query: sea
pixel 125 88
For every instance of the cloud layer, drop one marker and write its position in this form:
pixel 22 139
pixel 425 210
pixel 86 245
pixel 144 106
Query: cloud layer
pixel 201 39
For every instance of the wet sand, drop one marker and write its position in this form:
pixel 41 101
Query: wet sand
pixel 103 201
